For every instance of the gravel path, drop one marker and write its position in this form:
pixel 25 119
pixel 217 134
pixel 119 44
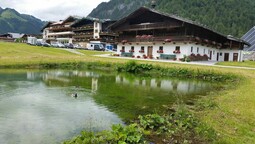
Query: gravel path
pixel 74 51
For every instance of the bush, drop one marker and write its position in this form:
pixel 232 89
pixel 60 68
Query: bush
pixel 178 127
pixel 133 67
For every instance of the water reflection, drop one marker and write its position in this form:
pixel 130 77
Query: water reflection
pixel 165 85
pixel 37 107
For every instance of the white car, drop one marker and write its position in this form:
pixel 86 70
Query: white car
pixel 58 44
pixel 77 46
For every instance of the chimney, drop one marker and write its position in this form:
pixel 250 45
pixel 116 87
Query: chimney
pixel 153 4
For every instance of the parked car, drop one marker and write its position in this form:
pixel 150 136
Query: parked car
pixel 77 46
pixel 99 48
pixel 45 44
pixel 58 44
pixel 69 45
pixel 54 44
pixel 96 46
pixel 38 43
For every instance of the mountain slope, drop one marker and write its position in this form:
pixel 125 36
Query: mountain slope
pixel 233 17
pixel 116 9
pixel 12 21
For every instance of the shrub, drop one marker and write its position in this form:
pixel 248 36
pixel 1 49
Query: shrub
pixel 133 67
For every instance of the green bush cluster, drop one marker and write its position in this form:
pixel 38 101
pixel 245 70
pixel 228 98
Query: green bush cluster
pixel 208 75
pixel 134 67
pixel 118 135
pixel 179 127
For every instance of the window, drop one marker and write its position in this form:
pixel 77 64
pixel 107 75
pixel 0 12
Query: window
pixel 208 51
pixel 204 51
pixel 96 31
pixel 122 49
pixel 96 24
pixel 220 54
pixel 177 48
pixel 160 50
pixel 142 49
pixel 213 52
pixel 132 48
pixel 192 49
pixel 197 49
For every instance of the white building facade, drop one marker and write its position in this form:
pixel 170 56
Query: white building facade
pixel 138 50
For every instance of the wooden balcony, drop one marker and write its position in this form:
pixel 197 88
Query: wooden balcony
pixel 84 28
pixel 157 39
pixel 81 35
pixel 60 28
pixel 150 26
pixel 108 34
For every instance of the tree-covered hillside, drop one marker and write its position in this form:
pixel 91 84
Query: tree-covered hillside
pixel 116 9
pixel 233 17
pixel 12 21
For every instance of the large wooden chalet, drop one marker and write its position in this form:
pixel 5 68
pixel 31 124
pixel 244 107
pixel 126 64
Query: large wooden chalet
pixel 147 33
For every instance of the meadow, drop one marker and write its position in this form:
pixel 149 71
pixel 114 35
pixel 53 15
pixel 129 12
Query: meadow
pixel 231 113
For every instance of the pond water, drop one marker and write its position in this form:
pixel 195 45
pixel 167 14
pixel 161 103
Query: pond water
pixel 40 107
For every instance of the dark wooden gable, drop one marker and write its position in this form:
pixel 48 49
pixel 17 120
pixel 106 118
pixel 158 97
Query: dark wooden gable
pixel 145 19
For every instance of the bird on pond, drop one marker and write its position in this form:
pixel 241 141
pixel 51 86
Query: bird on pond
pixel 75 95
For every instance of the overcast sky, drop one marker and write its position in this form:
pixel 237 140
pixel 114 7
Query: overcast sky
pixel 52 10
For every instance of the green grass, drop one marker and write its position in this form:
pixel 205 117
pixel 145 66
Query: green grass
pixel 233 117
pixel 239 64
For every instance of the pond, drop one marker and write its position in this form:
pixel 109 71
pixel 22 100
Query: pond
pixel 40 106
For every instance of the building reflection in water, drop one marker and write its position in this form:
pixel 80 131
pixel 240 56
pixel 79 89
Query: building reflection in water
pixel 165 84
pixel 183 86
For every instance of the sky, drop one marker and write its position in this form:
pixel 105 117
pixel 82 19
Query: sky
pixel 52 10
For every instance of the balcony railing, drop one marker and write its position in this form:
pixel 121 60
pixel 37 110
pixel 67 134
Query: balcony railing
pixel 88 27
pixel 60 28
pixel 108 34
pixel 151 26
pixel 156 39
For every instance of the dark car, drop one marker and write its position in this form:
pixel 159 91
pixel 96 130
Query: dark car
pixel 38 43
pixel 99 48
pixel 69 45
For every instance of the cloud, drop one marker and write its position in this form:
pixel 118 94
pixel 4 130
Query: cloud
pixel 52 10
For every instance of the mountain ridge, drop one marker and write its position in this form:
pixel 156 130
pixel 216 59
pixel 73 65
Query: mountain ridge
pixel 12 21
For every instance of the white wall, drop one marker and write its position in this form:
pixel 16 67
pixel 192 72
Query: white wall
pixel 185 49
pixel 97 29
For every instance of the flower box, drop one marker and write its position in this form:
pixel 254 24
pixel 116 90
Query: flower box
pixel 124 41
pixel 141 51
pixel 122 50
pixel 177 52
pixel 167 40
pixel 131 51
pixel 160 51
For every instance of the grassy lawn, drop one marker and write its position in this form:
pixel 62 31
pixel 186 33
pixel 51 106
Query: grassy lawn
pixel 233 118
pixel 239 64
